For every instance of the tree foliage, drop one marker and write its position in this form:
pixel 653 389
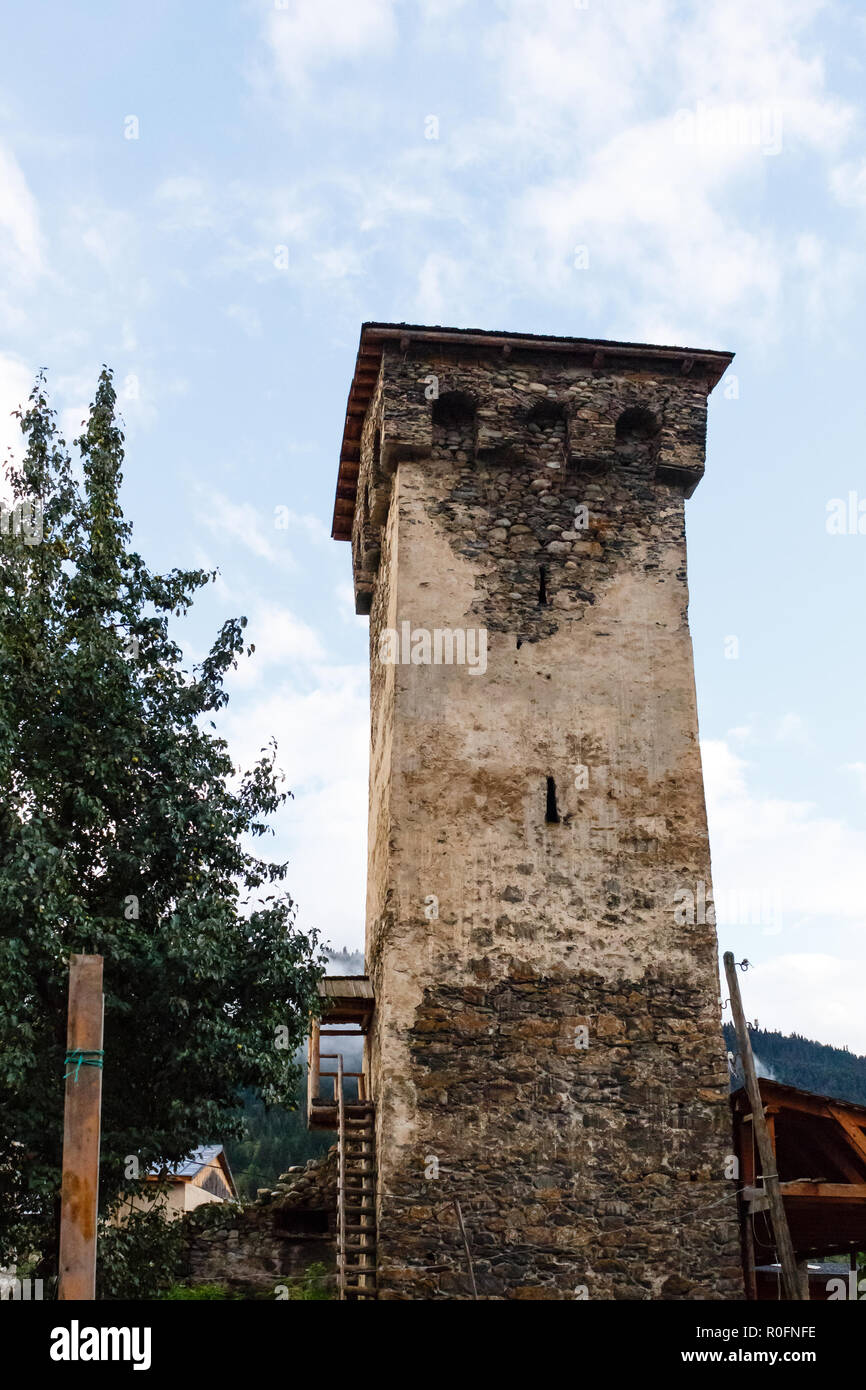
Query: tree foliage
pixel 126 831
pixel 140 1257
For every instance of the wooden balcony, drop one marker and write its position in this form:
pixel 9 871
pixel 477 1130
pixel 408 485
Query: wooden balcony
pixel 347 1011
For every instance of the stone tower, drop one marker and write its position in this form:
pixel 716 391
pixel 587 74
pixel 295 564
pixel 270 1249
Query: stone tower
pixel 546 1044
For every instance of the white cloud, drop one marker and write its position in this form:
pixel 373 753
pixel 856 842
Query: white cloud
pixel 743 733
pixel 327 851
pixel 73 419
pixel 246 318
pixel 654 210
pixel 783 874
pixel 242 522
pixel 435 11
pixel 320 720
pixel 791 728
pixel 20 237
pixel 345 596
pixel 192 204
pixel 311 525
pixel 440 281
pixel 817 995
pixel 848 183
pixel 338 263
pixel 597 70
pixel 280 638
pixel 306 35
pixel 16 383
pixel 108 234
pixel 859 770
pixel 583 147
pixel 322 730
pixel 768 847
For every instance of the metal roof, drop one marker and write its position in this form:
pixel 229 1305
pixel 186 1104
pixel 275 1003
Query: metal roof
pixel 198 1159
pixel 596 352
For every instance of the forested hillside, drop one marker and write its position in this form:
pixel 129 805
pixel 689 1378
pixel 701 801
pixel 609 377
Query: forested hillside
pixel 277 1139
pixel 813 1066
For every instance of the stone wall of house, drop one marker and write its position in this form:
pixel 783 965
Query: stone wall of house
pixel 255 1248
pixel 546 1048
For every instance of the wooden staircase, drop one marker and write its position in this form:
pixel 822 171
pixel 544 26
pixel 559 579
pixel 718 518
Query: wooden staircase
pixel 356 1197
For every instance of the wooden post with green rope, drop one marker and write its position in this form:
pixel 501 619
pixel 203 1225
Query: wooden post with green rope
pixel 82 1118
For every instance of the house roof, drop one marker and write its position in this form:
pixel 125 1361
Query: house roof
pixel 198 1159
pixel 207 1156
pixel 779 1091
pixel 594 351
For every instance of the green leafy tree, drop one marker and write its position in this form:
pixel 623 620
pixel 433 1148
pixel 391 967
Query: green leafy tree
pixel 125 831
pixel 140 1256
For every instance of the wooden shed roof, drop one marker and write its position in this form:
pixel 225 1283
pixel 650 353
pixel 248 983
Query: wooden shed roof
pixel 346 987
pixel 820 1147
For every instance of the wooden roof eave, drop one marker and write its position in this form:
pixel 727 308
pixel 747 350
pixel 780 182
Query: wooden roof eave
pixel 596 352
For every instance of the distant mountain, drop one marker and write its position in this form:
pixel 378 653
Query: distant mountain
pixel 797 1061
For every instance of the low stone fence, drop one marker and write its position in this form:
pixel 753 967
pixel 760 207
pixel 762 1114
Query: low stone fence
pixel 254 1248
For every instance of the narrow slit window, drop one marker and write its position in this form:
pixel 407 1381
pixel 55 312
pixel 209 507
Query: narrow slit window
pixel 552 815
pixel 542 585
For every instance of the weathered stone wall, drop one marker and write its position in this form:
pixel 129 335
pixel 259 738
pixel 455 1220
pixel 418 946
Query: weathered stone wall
pixel 546 1045
pixel 255 1248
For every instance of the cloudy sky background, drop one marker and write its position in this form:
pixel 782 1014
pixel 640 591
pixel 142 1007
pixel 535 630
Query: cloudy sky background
pixel 212 197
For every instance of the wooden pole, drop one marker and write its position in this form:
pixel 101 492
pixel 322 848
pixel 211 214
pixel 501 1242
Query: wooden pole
pixel 791 1283
pixel 315 1051
pixel 746 1157
pixel 79 1193
pixel 341 1182
pixel 749 1253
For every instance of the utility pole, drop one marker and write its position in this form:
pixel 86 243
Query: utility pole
pixel 792 1286
pixel 82 1119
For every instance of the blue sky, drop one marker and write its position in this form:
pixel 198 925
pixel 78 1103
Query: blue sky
pixel 212 197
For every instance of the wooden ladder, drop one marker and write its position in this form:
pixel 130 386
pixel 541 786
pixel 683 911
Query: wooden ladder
pixel 356 1197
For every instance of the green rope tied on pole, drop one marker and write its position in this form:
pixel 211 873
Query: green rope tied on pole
pixel 79 1058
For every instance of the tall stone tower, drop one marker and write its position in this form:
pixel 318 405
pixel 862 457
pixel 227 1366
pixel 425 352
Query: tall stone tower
pixel 546 1045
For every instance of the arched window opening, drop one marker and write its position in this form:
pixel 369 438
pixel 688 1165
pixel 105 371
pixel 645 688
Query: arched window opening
pixel 546 425
pixel 454 408
pixel 637 432
pixel 546 414
pixel 636 424
pixel 454 421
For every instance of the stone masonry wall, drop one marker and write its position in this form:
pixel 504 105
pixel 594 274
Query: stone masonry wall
pixel 546 1046
pixel 256 1248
